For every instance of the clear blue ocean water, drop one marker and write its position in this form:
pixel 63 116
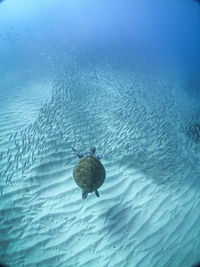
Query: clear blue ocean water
pixel 123 76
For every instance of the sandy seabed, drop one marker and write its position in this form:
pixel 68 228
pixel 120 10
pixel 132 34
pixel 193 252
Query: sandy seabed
pixel 148 210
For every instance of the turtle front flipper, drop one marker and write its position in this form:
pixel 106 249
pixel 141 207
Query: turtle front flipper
pixel 100 156
pixel 97 193
pixel 84 194
pixel 92 150
pixel 78 154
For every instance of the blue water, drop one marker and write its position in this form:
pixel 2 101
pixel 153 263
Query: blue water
pixel 119 75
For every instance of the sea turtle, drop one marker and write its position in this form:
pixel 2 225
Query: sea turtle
pixel 89 173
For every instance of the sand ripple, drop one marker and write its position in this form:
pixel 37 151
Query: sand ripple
pixel 148 210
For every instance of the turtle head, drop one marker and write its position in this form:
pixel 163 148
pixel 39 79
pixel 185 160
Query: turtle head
pixel 92 150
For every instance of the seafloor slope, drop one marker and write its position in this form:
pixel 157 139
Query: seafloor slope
pixel 148 210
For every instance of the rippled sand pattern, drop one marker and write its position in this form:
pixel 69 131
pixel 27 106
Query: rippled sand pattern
pixel 148 210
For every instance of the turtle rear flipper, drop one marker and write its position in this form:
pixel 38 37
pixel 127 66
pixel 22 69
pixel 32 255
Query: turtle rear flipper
pixel 84 194
pixel 97 193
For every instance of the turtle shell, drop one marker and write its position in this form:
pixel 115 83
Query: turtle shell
pixel 89 173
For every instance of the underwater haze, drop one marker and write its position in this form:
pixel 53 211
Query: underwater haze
pixel 120 75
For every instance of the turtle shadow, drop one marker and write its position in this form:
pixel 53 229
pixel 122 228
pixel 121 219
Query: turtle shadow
pixel 116 219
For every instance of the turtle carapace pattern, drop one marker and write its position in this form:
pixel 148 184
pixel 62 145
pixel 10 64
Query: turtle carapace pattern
pixel 89 173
